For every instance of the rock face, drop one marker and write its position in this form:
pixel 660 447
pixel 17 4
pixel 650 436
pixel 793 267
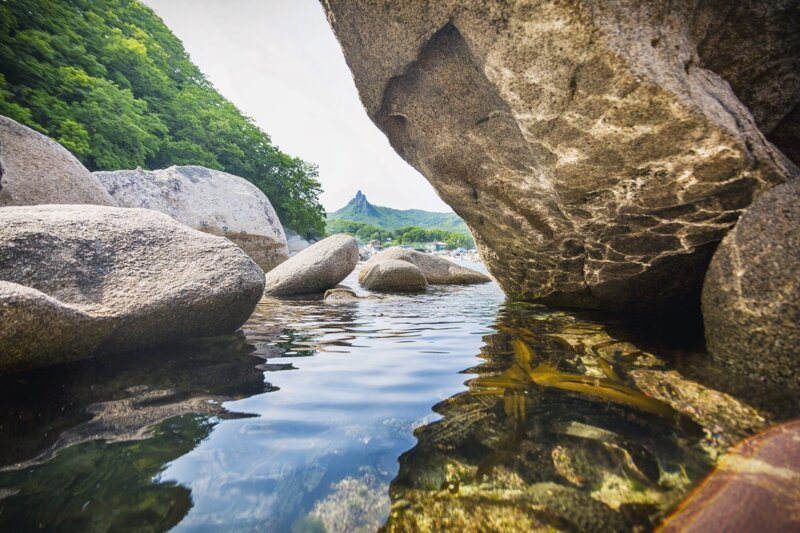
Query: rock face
pixel 79 281
pixel 207 200
pixel 751 296
pixel 596 150
pixel 35 169
pixel 437 270
pixel 392 275
pixel 316 269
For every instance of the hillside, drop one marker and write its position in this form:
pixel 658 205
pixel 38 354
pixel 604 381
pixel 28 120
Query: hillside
pixel 109 81
pixel 360 210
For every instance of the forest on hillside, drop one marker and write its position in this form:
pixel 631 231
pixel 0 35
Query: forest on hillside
pixel 109 81
pixel 406 235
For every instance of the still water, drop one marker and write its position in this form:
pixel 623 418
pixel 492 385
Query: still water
pixel 442 410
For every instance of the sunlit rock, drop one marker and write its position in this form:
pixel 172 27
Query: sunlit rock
pixel 751 297
pixel 597 151
pixel 316 269
pixel 207 200
pixel 80 281
pixel 35 169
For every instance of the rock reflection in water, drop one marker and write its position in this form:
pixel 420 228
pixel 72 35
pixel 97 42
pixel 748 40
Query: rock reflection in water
pixel 120 397
pixel 81 444
pixel 556 432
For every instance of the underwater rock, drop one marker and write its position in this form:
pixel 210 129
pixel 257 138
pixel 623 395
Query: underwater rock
pixel 316 269
pixel 340 294
pixel 598 152
pixel 724 419
pixel 755 487
pixel 207 200
pixel 35 169
pixel 392 275
pixel 437 270
pixel 81 281
pixel 751 297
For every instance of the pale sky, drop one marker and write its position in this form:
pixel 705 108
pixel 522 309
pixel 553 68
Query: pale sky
pixel 280 63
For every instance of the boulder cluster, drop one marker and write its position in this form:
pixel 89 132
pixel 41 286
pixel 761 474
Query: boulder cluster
pixel 105 262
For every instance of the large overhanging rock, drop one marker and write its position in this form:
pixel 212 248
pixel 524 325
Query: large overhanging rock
pixel 35 169
pixel 207 200
pixel 591 147
pixel 78 281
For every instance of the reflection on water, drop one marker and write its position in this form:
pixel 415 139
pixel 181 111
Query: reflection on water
pixel 297 424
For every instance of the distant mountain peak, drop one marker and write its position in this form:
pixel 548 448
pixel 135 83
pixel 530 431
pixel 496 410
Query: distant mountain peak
pixel 360 205
pixel 358 209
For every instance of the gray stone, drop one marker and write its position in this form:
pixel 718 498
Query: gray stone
pixel 35 169
pixel 341 294
pixel 751 296
pixel 207 200
pixel 595 149
pixel 437 270
pixel 392 275
pixel 80 281
pixel 316 269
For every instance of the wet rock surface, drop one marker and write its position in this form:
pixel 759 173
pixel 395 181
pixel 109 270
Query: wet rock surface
pixel 392 275
pixel 340 294
pixel 315 269
pixel 598 153
pixel 35 169
pixel 753 488
pixel 208 200
pixel 81 281
pixel 751 296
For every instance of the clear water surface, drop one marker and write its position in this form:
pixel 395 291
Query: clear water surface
pixel 444 409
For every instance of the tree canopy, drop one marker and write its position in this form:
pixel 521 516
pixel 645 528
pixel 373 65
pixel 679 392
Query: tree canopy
pixel 406 235
pixel 109 81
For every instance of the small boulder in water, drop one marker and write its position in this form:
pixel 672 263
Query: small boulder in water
pixel 340 294
pixel 437 270
pixel 316 269
pixel 392 275
pixel 80 281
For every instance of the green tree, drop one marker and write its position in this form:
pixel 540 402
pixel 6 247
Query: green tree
pixel 110 82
